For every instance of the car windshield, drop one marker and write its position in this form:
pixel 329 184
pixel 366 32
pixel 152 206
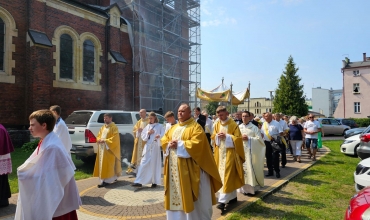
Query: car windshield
pixel 78 118
pixel 367 130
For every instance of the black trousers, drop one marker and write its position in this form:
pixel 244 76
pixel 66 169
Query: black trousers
pixel 272 158
pixel 283 154
pixel 4 190
pixel 209 140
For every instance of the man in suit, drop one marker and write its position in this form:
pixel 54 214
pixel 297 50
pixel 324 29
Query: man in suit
pixel 252 119
pixel 201 119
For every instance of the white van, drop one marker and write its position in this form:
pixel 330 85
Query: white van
pixel 84 126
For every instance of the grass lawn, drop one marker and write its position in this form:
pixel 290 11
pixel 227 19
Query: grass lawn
pixel 321 192
pixel 18 157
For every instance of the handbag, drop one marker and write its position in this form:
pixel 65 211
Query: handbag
pixel 275 143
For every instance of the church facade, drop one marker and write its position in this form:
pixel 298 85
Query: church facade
pixel 75 54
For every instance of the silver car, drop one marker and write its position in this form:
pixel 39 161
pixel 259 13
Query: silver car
pixel 330 126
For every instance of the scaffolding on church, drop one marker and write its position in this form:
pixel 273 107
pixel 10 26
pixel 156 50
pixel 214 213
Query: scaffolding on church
pixel 166 51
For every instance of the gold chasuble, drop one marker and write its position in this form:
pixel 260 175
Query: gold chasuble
pixel 139 143
pixel 229 160
pixel 182 175
pixel 108 161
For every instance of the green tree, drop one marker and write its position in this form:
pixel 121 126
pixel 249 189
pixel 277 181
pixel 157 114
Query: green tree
pixel 211 108
pixel 234 109
pixel 289 98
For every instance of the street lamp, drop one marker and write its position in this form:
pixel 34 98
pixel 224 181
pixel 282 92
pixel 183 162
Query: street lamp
pixel 271 100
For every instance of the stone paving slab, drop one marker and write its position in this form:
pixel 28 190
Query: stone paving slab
pixel 122 201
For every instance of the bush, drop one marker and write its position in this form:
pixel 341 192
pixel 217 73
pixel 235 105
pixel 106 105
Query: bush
pixel 362 122
pixel 30 146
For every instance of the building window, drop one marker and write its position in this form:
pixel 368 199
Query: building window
pixel 356 87
pixel 2 44
pixel 66 57
pixel 357 107
pixel 356 72
pixel 88 61
pixel 8 32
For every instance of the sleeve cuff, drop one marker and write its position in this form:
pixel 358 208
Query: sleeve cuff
pixel 181 151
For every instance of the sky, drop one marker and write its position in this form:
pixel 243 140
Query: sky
pixel 251 40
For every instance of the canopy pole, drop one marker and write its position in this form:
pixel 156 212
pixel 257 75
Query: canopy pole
pixel 231 99
pixel 249 91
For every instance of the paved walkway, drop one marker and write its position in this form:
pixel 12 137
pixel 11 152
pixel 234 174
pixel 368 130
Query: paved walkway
pixel 121 201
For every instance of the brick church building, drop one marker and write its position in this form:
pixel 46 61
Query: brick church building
pixel 75 54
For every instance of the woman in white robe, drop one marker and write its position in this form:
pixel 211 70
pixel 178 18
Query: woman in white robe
pixel 149 171
pixel 254 149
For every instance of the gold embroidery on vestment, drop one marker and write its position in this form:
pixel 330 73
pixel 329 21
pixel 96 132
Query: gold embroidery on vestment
pixel 222 157
pixel 174 179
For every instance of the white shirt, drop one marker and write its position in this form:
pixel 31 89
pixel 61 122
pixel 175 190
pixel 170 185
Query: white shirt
pixel 312 126
pixel 61 130
pixel 209 126
pixel 274 129
pixel 283 124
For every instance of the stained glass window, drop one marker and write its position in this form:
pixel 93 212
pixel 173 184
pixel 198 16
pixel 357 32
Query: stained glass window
pixel 88 61
pixel 2 44
pixel 66 57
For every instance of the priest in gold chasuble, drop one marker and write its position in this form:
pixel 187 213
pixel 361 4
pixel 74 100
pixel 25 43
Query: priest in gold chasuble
pixel 108 159
pixel 138 143
pixel 191 178
pixel 229 156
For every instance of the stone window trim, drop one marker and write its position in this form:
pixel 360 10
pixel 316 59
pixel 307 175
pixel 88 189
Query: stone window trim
pixel 98 53
pixel 11 31
pixel 77 79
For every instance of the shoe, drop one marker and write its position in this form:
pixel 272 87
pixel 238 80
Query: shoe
pixel 154 185
pixel 277 175
pixel 299 161
pixel 136 185
pixel 269 174
pixel 282 166
pixel 314 159
pixel 232 201
pixel 104 184
pixel 244 193
pixel 294 158
pixel 132 166
pixel 221 206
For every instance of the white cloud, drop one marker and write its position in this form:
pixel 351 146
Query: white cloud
pixel 213 15
pixel 218 22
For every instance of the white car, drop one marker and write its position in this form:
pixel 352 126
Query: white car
pixel 362 174
pixel 350 145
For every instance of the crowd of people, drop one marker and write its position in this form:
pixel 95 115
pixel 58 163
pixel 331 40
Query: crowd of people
pixel 200 155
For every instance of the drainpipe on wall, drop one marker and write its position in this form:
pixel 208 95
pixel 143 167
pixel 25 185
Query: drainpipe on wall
pixel 107 40
pixel 344 97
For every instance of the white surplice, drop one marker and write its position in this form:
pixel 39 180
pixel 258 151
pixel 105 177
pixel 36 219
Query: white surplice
pixel 61 130
pixel 47 187
pixel 254 150
pixel 150 168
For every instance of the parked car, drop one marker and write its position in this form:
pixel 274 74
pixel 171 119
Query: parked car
pixel 363 151
pixel 84 126
pixel 362 174
pixel 353 131
pixel 348 122
pixel 350 145
pixel 359 206
pixel 332 126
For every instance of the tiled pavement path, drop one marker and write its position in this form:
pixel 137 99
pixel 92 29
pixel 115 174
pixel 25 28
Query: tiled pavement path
pixel 121 201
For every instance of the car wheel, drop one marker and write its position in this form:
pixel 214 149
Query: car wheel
pixel 344 132
pixel 88 159
pixel 127 146
pixel 355 150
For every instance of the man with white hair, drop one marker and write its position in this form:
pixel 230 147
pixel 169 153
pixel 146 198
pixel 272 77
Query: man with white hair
pixel 285 144
pixel 271 129
pixel 208 128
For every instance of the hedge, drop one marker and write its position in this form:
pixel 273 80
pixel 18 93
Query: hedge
pixel 362 122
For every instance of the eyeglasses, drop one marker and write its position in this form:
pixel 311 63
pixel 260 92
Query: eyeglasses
pixel 311 117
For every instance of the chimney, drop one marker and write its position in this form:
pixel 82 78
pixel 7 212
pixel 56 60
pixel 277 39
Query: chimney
pixel 364 56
